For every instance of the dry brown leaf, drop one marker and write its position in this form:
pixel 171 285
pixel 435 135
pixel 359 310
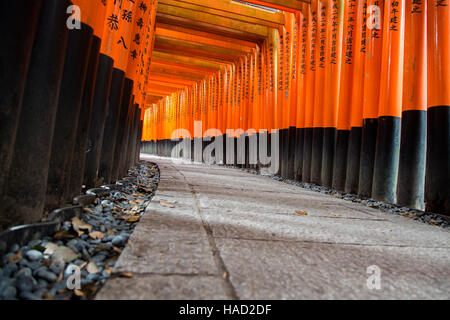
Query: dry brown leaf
pixel 225 275
pixel 64 235
pixel 80 225
pixel 110 232
pixel 117 250
pixel 89 210
pixel 92 267
pixel 78 293
pixel 96 235
pixel 64 254
pixel 15 258
pixel 165 204
pixel 133 219
pixel 303 213
pixel 125 275
pixel 108 270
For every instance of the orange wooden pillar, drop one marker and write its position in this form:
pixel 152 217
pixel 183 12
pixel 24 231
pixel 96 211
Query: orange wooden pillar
pixel 357 98
pixel 437 186
pixel 301 91
pixel 372 75
pixel 335 14
pixel 310 85
pixel 411 175
pixel 345 96
pixel 318 128
pixel 390 107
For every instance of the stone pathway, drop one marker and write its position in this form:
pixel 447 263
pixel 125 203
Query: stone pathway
pixel 219 233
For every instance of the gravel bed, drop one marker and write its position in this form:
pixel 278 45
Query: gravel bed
pixel 89 246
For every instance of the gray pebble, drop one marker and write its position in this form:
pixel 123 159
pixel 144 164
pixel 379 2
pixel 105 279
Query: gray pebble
pixel 46 275
pixel 34 243
pixel 118 240
pixel 9 293
pixel 27 295
pixel 42 284
pixel 14 248
pixel 98 258
pixel 25 283
pixel 24 272
pixel 34 255
pixel 9 269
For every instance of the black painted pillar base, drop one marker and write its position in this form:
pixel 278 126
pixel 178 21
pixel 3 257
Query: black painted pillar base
pixel 133 138
pixel 307 154
pixel 328 149
pixel 292 132
pixel 28 172
pixel 316 156
pixel 386 159
pixel 84 122
pixel 411 170
pixel 368 148
pixel 19 27
pixel 100 109
pixel 284 151
pixel 119 147
pixel 298 161
pixel 340 159
pixel 69 105
pixel 111 127
pixel 139 141
pixel 437 179
pixel 353 160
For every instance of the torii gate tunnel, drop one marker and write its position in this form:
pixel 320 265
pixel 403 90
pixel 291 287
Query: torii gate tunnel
pixel 352 95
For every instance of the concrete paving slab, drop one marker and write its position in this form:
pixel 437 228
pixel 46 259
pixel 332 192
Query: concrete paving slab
pixel 163 287
pixel 236 235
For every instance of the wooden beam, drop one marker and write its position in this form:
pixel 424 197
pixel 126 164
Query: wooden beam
pixel 193 52
pixel 285 5
pixel 213 29
pixel 175 66
pixel 153 77
pixel 206 34
pixel 253 18
pixel 175 58
pixel 200 39
pixel 213 20
pixel 167 71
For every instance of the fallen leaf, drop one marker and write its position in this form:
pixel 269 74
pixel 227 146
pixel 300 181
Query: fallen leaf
pixel 125 275
pixel 165 204
pixel 64 235
pixel 79 225
pixel 303 213
pixel 64 254
pixel 134 219
pixel 92 267
pixel 96 235
pixel 225 275
pixel 108 270
pixel 89 210
pixel 117 250
pixel 110 232
pixel 50 248
pixel 15 258
pixel 78 293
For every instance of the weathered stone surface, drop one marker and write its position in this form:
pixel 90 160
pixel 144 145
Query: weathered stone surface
pixel 208 221
pixel 163 287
